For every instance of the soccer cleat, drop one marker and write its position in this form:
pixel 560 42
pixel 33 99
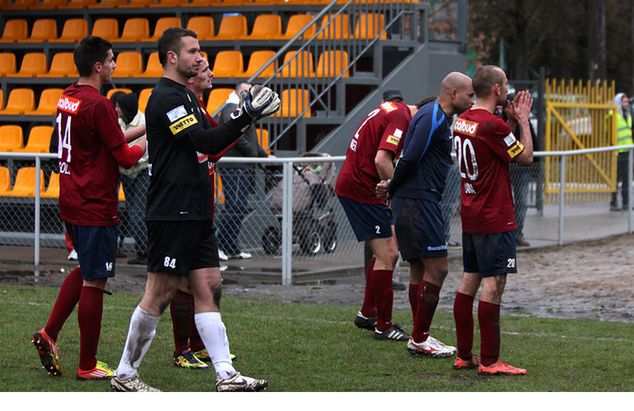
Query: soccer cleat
pixel 73 256
pixel 362 321
pixel 133 384
pixel 203 355
pixel 240 383
pixel 101 372
pixel 394 333
pixel 240 256
pixel 461 364
pixel 222 256
pixel 189 360
pixel 500 368
pixel 48 351
pixel 430 347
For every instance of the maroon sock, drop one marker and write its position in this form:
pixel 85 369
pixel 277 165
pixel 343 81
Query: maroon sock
pixel 384 295
pixel 425 310
pixel 413 297
pixel 65 304
pixel 368 309
pixel 182 311
pixel 89 316
pixel 489 320
pixel 195 342
pixel 463 316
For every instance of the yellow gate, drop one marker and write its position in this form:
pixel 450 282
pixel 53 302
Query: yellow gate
pixel 579 116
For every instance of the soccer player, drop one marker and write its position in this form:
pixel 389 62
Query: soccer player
pixel 369 159
pixel 180 232
pixel 416 190
pixel 485 146
pixel 91 148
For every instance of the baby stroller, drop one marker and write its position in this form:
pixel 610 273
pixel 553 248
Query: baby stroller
pixel 314 228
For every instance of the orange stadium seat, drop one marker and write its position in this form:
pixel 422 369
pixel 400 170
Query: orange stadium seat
pixel 114 90
pixel 110 3
pixel 263 138
pixel 228 63
pixel 1 99
pixel 20 100
pixel 48 103
pixel 300 64
pixel 5 181
pixel 369 25
pixel 135 29
pixel 14 30
pixel 136 4
pixel 62 65
pixel 7 65
pixel 232 28
pixel 121 196
pixel 73 31
pixel 43 31
pixel 219 197
pixel 168 3
pixel 80 4
pixel 258 59
pixel 163 24
pixel 266 27
pixel 39 140
pixel 153 69
pixel 52 190
pixel 203 26
pixel 201 3
pixel 48 4
pixel 296 23
pixel 336 28
pixel 294 101
pixel 11 138
pixel 331 63
pixel 32 65
pixel 217 98
pixel 144 96
pixel 129 64
pixel 25 183
pixel 106 28
pixel 23 4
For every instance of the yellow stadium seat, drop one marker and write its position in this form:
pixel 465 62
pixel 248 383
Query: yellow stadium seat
pixel 296 23
pixel 48 103
pixel 121 193
pixel 153 69
pixel 32 65
pixel 129 64
pixel 337 27
pixel 331 63
pixel 300 64
pixel 114 90
pixel 1 99
pixel 39 140
pixel 5 181
pixel 20 100
pixel 48 4
pixel 163 24
pixel 73 31
pixel 203 26
pixel 217 98
pixel 228 63
pixel 62 65
pixel 219 197
pixel 106 28
pixel 7 65
pixel 144 96
pixel 266 27
pixel 369 25
pixel 294 101
pixel 14 30
pixel 135 29
pixel 263 138
pixel 11 138
pixel 80 4
pixel 232 28
pixel 43 30
pixel 24 185
pixel 52 190
pixel 258 59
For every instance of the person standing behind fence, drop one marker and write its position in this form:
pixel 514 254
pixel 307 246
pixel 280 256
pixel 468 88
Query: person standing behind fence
pixel 91 148
pixel 369 159
pixel 237 182
pixel 624 137
pixel 484 147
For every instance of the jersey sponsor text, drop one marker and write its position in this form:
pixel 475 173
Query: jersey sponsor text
pixel 183 124
pixel 68 104
pixel 467 127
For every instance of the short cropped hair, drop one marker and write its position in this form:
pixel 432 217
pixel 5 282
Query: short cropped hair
pixel 90 50
pixel 486 77
pixel 171 41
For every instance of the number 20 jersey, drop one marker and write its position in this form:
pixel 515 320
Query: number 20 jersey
pixel 484 148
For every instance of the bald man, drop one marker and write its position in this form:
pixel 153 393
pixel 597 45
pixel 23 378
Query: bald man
pixel 416 191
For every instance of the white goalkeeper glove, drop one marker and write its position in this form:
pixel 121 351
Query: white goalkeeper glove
pixel 260 102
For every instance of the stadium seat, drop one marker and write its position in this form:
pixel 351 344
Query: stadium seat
pixel 43 30
pixel 266 27
pixel 106 28
pixel 5 181
pixel 203 26
pixel 228 63
pixel 232 28
pixel 201 3
pixel 114 90
pixel 52 190
pixel 7 64
pixel 336 28
pixel 258 59
pixel 331 63
pixel 121 196
pixel 73 31
pixel 369 25
pixel 296 23
pixel 39 140
pixel 1 99
pixel 62 65
pixel 20 100
pixel 144 96
pixel 135 29
pixel 32 65
pixel 163 24
pixel 23 4
pixel 294 101
pixel 14 30
pixel 263 138
pixel 11 138
pixel 219 197
pixel 48 4
pixel 301 64
pixel 129 64
pixel 80 4
pixel 137 4
pixel 48 103
pixel 109 4
pixel 24 185
pixel 217 98
pixel 167 3
pixel 153 69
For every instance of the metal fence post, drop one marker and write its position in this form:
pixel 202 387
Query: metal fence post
pixel 562 183
pixel 629 190
pixel 287 224
pixel 36 246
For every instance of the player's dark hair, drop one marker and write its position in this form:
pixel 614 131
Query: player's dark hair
pixel 486 77
pixel 425 101
pixel 90 50
pixel 171 41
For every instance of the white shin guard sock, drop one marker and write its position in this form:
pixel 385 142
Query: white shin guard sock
pixel 140 335
pixel 214 334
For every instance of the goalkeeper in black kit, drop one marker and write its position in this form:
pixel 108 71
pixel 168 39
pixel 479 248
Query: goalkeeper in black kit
pixel 181 243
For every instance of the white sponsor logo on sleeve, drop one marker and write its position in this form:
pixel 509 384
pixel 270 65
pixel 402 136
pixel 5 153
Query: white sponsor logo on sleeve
pixel 176 113
pixel 509 140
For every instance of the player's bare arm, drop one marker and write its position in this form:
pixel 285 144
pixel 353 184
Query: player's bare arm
pixel 522 105
pixel 383 161
pixel 133 133
pixel 381 189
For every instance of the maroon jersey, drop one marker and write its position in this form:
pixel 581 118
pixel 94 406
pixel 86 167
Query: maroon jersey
pixel 382 129
pixel 88 132
pixel 484 148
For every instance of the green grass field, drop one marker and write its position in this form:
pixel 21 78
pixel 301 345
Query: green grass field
pixel 309 347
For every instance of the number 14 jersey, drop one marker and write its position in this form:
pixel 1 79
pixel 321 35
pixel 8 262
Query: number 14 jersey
pixel 484 148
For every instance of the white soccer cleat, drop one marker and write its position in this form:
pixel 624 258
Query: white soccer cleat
pixel 430 347
pixel 133 384
pixel 240 383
